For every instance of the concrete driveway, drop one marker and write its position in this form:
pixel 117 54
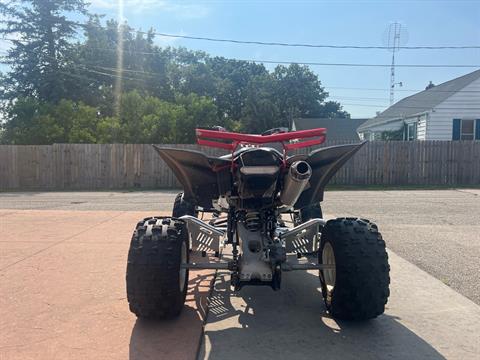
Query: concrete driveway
pixel 424 319
pixel 62 286
pixel 62 269
pixel 437 230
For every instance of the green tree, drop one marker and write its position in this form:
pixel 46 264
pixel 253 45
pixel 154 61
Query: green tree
pixel 79 121
pixel 330 109
pixel 298 91
pixel 232 81
pixel 60 91
pixel 30 122
pixel 261 110
pixel 110 131
pixel 39 59
pixel 200 111
pixel 35 122
pixel 145 67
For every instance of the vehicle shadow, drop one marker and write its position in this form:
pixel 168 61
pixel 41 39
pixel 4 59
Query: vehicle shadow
pixel 293 324
pixel 177 338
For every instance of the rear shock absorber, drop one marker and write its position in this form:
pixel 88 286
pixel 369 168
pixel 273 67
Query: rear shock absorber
pixel 253 222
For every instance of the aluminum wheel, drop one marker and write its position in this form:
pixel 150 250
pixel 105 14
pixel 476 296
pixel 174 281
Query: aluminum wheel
pixel 328 258
pixel 183 271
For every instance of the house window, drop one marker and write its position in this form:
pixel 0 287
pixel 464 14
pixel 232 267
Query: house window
pixel 411 131
pixel 467 129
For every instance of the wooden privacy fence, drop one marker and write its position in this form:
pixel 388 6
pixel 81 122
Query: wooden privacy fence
pixel 129 166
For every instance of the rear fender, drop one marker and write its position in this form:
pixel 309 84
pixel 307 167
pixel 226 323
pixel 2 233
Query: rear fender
pixel 195 171
pixel 325 162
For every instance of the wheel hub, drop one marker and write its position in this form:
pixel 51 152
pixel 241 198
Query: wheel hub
pixel 328 258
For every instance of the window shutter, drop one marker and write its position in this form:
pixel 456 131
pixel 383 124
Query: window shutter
pixel 456 129
pixel 477 129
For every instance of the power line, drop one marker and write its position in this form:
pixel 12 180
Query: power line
pixel 405 107
pixel 283 62
pixel 432 90
pixel 142 72
pixel 116 76
pixel 84 67
pixel 362 65
pixel 328 46
pixel 320 63
pixel 325 86
pixel 333 97
pixel 153 74
pixel 358 98
pixel 409 90
pixel 381 106
pixel 324 64
pixel 363 98
pixel 348 104
pixel 306 45
pixel 348 64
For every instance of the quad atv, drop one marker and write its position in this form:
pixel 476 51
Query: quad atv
pixel 250 193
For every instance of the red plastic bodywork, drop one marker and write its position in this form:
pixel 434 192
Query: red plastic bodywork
pixel 211 137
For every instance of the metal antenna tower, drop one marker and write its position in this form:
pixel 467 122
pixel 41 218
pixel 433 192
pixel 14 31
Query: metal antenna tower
pixel 396 36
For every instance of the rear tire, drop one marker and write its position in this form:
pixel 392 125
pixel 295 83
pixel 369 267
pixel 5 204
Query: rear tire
pixel 182 207
pixel 358 287
pixel 156 285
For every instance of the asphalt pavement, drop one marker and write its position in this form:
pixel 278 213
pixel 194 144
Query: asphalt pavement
pixel 437 230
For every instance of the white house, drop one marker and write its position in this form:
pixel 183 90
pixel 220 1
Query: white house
pixel 449 111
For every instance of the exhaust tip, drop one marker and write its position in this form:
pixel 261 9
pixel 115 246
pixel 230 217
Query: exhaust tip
pixel 295 182
pixel 303 168
pixel 300 170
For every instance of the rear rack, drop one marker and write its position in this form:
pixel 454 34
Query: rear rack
pixel 230 140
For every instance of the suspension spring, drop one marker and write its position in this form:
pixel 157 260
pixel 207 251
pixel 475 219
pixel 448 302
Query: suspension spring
pixel 253 221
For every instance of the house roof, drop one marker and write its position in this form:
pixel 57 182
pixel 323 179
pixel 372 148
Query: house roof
pixel 422 101
pixel 337 128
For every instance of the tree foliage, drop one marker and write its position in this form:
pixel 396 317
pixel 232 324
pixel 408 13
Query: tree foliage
pixel 116 85
pixel 142 119
pixel 39 59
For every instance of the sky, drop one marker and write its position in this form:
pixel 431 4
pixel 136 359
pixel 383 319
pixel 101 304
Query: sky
pixel 428 23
